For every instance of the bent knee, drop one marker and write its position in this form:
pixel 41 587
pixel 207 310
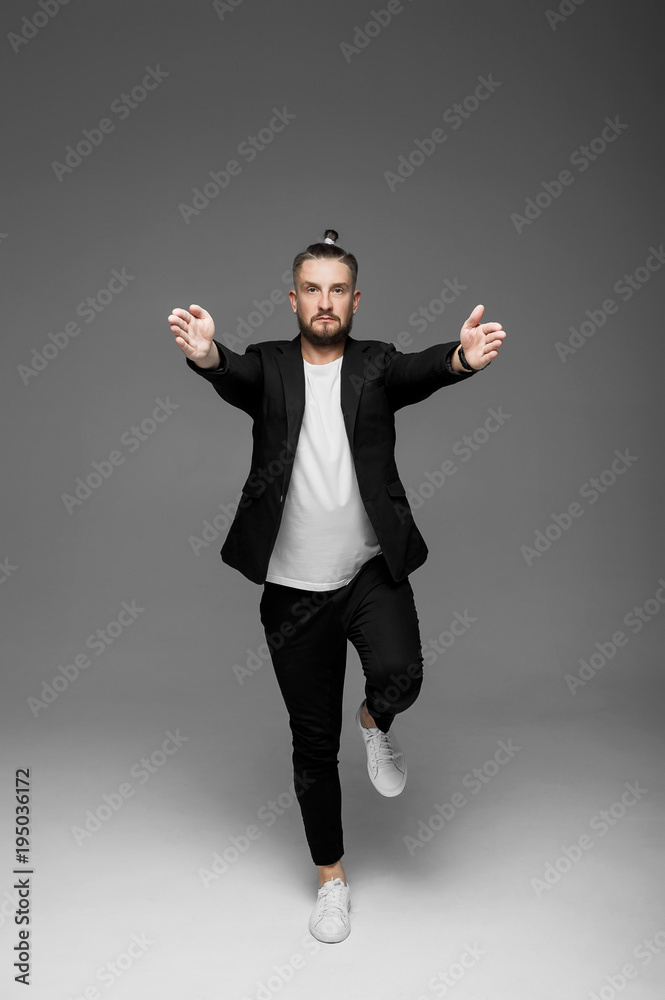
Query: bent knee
pixel 399 691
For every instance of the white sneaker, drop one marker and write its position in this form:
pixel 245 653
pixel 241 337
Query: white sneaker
pixel 329 921
pixel 386 764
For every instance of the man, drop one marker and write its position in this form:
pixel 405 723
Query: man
pixel 324 525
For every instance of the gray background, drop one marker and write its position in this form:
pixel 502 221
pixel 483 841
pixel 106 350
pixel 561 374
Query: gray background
pixel 131 539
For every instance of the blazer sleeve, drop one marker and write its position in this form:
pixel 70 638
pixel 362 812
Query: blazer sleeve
pixel 239 378
pixel 413 377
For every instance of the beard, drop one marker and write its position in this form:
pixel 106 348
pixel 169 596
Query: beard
pixel 322 336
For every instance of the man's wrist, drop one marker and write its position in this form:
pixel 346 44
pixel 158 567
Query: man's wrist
pixel 456 364
pixel 213 359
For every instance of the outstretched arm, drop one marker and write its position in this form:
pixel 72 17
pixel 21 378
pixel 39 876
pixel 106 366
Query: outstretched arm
pixel 413 377
pixel 237 378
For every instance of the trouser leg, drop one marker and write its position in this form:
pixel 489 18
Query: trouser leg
pixel 308 649
pixel 381 621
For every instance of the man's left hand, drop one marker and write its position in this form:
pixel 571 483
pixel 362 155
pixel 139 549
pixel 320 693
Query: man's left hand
pixel 480 341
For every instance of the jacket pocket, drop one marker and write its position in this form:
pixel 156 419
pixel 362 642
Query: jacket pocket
pixel 253 488
pixel 396 488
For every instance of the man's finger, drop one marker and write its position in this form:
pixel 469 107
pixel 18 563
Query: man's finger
pixel 178 321
pixel 474 318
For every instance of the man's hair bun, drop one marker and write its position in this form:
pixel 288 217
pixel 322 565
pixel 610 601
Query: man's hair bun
pixel 327 251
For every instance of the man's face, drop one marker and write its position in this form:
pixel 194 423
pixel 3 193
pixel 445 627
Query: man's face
pixel 323 289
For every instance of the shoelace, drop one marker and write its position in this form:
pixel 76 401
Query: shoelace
pixel 332 896
pixel 382 749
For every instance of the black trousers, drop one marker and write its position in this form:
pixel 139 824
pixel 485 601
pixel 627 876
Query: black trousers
pixel 307 633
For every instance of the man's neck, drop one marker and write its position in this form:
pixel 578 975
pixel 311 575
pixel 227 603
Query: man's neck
pixel 320 355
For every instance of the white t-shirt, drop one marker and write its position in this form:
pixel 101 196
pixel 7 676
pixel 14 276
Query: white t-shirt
pixel 325 535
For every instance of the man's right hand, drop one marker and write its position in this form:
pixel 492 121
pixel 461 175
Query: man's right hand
pixel 194 332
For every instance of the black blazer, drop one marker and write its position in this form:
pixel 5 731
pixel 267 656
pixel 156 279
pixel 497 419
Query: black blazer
pixel 268 383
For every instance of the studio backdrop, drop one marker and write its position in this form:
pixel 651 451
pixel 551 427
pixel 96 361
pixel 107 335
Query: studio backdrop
pixel 162 154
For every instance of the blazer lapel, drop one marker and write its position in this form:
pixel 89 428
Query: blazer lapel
pixel 291 367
